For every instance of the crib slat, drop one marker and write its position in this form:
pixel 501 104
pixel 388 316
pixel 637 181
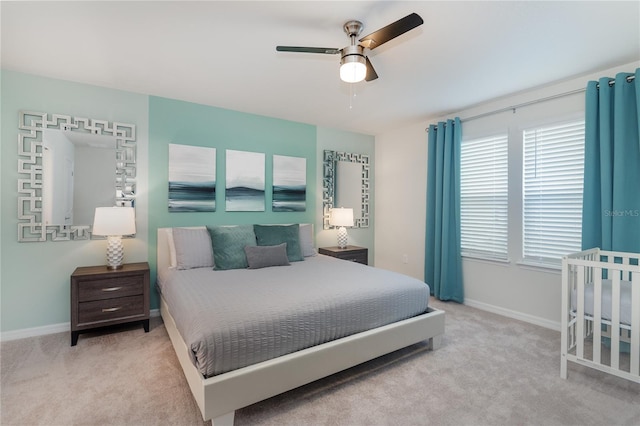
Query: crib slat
pixel 580 312
pixel 635 321
pixel 565 332
pixel 625 275
pixel 615 320
pixel 597 313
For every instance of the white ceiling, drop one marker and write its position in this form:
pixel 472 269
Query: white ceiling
pixel 223 53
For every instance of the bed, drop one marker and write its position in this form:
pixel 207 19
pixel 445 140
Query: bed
pixel 240 362
pixel 601 312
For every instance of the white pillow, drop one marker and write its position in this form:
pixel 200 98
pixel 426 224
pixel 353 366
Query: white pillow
pixel 306 240
pixel 193 248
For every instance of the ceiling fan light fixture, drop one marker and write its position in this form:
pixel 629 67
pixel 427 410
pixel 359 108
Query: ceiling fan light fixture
pixel 353 65
pixel 353 72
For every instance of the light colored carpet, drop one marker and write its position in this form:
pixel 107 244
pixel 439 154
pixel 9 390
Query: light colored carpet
pixel 490 370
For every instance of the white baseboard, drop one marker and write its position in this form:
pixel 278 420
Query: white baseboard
pixel 64 327
pixel 542 322
pixel 34 332
pixel 6 336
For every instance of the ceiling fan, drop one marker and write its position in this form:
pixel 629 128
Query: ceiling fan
pixel 354 65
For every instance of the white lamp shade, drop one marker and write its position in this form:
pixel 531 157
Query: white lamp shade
pixel 341 217
pixel 112 221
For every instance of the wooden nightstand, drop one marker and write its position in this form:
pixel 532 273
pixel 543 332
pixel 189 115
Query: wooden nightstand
pixel 102 297
pixel 352 253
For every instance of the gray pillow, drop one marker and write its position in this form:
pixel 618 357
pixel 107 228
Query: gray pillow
pixel 228 245
pixel 193 248
pixel 265 256
pixel 306 240
pixel 271 235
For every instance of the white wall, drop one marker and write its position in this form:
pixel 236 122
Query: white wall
pixel 511 289
pixel 401 197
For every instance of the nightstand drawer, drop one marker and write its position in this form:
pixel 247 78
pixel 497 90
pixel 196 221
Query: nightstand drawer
pixel 110 288
pixel 349 253
pixel 106 310
pixel 355 257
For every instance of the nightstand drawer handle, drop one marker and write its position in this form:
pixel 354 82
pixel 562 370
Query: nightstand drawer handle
pixel 112 289
pixel 111 309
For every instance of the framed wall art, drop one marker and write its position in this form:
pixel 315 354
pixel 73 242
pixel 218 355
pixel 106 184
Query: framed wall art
pixel 289 184
pixel 192 178
pixel 245 181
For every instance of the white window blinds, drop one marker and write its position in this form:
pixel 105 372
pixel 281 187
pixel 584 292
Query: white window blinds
pixel 552 195
pixel 484 197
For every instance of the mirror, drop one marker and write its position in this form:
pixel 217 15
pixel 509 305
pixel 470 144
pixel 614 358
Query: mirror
pixel 78 175
pixel 346 184
pixel 67 167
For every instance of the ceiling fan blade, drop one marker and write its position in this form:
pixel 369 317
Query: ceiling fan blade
pixel 391 31
pixel 371 73
pixel 326 50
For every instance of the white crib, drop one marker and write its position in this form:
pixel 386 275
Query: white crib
pixel 592 281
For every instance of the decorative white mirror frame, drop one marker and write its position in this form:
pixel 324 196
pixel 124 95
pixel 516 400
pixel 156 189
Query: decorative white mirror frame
pixel 328 185
pixel 31 125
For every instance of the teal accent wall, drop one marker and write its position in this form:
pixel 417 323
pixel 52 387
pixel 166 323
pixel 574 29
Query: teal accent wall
pixel 34 277
pixel 178 122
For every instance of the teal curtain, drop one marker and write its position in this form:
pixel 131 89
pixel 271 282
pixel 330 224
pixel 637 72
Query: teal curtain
pixel 611 201
pixel 443 262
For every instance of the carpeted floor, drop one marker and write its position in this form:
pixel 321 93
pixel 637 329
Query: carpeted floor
pixel 490 370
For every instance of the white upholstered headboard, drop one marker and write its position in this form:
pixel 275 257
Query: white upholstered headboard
pixel 162 251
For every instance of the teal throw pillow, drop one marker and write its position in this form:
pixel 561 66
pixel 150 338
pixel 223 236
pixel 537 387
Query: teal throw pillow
pixel 272 235
pixel 228 246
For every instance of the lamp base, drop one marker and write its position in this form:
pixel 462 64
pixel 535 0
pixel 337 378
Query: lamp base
pixel 342 237
pixel 115 252
pixel 114 268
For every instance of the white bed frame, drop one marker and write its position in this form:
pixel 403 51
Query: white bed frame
pixel 218 397
pixel 578 327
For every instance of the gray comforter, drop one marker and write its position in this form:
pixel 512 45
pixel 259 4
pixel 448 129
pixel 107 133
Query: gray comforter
pixel 232 319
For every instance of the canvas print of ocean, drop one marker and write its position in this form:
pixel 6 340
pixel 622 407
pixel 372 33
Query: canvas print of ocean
pixel 245 181
pixel 289 184
pixel 192 178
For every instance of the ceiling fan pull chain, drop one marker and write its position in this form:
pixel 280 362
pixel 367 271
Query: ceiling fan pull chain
pixel 352 95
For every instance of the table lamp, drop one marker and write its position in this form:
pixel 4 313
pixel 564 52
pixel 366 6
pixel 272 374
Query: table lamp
pixel 113 223
pixel 341 217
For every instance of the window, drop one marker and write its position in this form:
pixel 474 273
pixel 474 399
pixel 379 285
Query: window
pixel 553 172
pixel 484 197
